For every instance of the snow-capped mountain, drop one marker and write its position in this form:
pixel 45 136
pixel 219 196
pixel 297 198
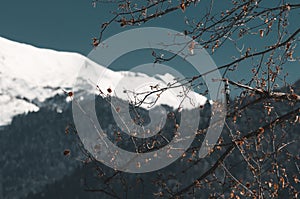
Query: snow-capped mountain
pixel 30 75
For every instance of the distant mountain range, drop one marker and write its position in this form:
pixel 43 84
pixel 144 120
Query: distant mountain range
pixel 29 76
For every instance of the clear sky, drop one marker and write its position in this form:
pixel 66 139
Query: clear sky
pixel 69 25
pixel 66 25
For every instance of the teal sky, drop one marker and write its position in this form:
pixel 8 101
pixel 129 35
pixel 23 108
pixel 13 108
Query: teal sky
pixel 66 25
pixel 69 25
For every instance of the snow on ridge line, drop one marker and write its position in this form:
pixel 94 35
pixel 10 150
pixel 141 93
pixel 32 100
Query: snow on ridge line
pixel 30 72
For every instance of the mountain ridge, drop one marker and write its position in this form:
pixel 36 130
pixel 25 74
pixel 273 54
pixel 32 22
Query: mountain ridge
pixel 30 75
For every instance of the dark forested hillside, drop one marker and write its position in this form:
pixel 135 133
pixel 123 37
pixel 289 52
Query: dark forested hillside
pixel 33 163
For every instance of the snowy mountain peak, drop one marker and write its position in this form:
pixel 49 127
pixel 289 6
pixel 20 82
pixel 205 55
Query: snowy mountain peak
pixel 30 75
